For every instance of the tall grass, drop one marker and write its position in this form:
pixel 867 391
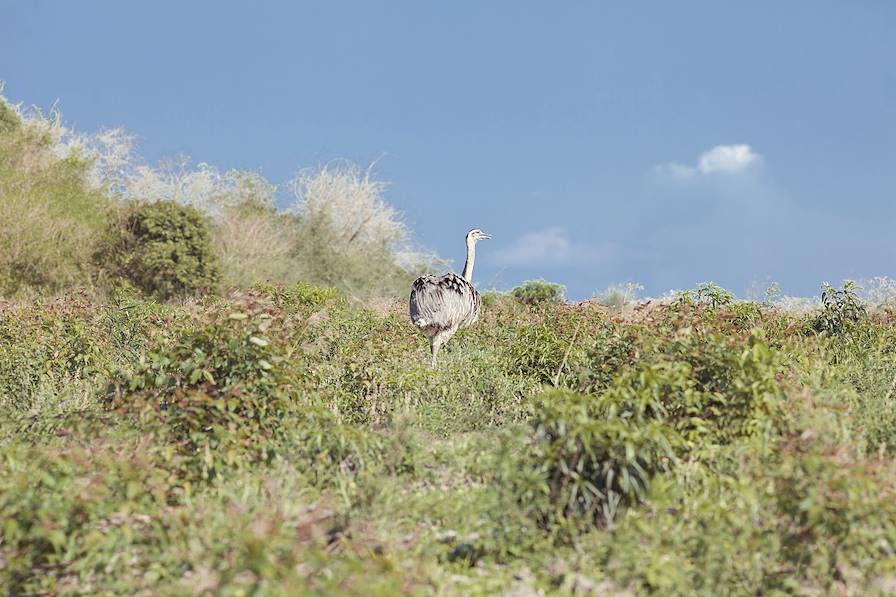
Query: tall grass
pixel 50 217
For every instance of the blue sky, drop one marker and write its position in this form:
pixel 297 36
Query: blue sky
pixel 664 143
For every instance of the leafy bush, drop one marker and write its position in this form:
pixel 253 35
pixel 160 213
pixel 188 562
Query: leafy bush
pixel 491 298
pixel 713 295
pixel 164 249
pixel 46 347
pixel 75 514
pixel 324 448
pixel 538 292
pixel 538 351
pixel 216 390
pixel 707 298
pixel 612 348
pixel 350 237
pixel 842 310
pixel 838 519
pixel 553 347
pixel 736 391
pixel 809 520
pixel 598 453
pixel 298 296
pixel 20 374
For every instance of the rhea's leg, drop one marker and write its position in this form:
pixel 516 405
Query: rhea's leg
pixel 433 349
pixel 438 341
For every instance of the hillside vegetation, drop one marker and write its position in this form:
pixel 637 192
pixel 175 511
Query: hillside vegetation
pixel 202 394
pixel 72 206
pixel 284 441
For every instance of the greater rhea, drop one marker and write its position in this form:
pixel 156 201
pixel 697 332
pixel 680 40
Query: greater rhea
pixel 442 304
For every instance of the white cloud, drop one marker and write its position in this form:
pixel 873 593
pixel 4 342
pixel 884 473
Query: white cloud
pixel 550 246
pixel 727 158
pixel 721 159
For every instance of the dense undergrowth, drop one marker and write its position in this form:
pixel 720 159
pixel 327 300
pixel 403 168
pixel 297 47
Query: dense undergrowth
pixel 285 440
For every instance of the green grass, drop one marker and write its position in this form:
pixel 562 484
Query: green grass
pixel 286 441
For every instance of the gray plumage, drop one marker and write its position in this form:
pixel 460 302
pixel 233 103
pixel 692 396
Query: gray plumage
pixel 440 305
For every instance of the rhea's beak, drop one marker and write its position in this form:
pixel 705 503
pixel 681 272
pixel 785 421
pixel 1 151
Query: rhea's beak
pixel 485 236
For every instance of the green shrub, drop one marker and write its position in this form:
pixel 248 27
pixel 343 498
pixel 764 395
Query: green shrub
pixel 538 352
pixel 164 249
pixel 21 372
pixel 76 515
pixel 842 310
pixel 298 296
pixel 553 347
pixel 490 298
pixel 218 390
pixel 612 348
pixel 736 391
pixel 811 519
pixel 866 359
pixel 46 348
pixel 538 292
pixel 713 295
pixel 256 242
pixel 837 514
pixel 747 314
pixel 126 321
pixel 708 298
pixel 324 448
pixel 596 454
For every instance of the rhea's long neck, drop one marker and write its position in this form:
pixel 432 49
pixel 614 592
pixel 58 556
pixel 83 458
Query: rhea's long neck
pixel 471 257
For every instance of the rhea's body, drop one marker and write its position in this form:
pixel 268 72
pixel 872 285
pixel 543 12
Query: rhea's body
pixel 440 305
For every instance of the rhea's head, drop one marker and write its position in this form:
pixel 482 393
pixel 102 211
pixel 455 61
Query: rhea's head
pixel 475 235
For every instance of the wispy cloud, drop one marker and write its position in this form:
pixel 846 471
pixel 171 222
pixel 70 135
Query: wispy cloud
pixel 550 246
pixel 721 159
